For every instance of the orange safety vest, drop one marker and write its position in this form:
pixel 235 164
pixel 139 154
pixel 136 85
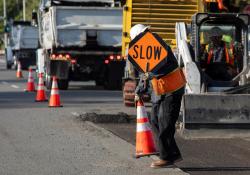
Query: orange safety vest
pixel 171 82
pixel 220 4
pixel 228 59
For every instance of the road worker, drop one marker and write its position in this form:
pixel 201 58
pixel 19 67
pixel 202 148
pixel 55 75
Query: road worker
pixel 220 63
pixel 165 102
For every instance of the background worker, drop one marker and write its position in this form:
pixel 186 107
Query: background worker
pixel 165 106
pixel 219 61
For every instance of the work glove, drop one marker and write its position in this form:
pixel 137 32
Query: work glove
pixel 148 76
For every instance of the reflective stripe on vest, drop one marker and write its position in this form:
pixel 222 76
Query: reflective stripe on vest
pixel 228 60
pixel 171 82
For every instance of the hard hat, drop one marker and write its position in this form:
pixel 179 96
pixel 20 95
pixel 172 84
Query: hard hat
pixel 137 29
pixel 215 31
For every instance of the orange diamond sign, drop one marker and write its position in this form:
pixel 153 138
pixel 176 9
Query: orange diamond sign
pixel 147 51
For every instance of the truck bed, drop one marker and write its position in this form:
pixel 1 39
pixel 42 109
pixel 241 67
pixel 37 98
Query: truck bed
pixel 24 37
pixel 77 26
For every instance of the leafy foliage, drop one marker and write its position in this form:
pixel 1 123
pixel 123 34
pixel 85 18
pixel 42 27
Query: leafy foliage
pixel 15 10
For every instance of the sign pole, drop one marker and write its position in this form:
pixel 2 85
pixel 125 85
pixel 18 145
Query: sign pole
pixel 5 22
pixel 24 9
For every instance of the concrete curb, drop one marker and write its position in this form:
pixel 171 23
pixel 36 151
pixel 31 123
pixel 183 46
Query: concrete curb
pixel 171 171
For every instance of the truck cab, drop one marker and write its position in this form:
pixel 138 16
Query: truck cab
pixel 219 75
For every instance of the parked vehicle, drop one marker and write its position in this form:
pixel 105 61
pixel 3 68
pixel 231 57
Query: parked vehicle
pixel 81 41
pixel 22 44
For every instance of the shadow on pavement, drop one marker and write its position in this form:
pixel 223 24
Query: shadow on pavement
pixel 186 169
pixel 15 80
pixel 85 87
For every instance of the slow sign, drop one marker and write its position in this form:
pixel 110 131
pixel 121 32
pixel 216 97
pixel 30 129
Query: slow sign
pixel 147 51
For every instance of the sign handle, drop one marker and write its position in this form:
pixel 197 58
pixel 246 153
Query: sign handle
pixel 147 67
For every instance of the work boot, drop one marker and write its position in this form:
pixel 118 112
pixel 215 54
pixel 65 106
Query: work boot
pixel 177 159
pixel 161 164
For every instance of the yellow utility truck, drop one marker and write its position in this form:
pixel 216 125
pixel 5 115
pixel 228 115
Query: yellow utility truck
pixel 161 16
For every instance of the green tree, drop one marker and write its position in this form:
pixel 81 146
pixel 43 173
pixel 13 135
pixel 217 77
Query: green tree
pixel 15 10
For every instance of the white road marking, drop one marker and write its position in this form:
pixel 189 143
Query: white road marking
pixel 4 82
pixel 15 86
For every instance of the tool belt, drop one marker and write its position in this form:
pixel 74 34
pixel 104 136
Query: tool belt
pixel 171 82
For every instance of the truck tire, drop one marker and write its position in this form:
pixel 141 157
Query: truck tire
pixel 128 93
pixel 99 82
pixel 63 84
pixel 111 85
pixel 8 66
pixel 113 76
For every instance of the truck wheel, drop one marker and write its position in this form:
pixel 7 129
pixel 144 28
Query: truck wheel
pixel 48 81
pixel 112 84
pixel 113 76
pixel 8 66
pixel 63 84
pixel 128 93
pixel 99 82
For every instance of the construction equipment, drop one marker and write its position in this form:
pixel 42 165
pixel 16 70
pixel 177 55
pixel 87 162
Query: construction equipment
pixel 81 41
pixel 161 16
pixel 210 102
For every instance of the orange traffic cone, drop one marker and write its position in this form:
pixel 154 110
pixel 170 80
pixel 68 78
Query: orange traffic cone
pixel 40 95
pixel 19 73
pixel 30 84
pixel 54 100
pixel 145 145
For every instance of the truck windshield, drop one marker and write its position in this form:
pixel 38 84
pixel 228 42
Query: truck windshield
pixel 227 32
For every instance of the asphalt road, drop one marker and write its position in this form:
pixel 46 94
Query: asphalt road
pixel 38 140
pixel 35 139
pixel 202 156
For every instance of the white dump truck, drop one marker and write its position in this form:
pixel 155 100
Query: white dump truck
pixel 22 44
pixel 80 41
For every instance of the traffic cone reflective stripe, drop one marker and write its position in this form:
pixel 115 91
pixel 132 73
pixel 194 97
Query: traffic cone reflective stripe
pixel 30 84
pixel 55 91
pixel 144 138
pixel 142 120
pixel 40 96
pixel 19 73
pixel 54 97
